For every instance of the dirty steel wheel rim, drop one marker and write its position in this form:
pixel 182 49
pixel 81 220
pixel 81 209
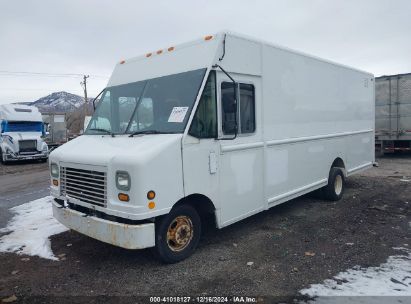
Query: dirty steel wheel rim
pixel 179 233
pixel 338 184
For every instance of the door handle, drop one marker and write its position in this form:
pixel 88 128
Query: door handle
pixel 212 162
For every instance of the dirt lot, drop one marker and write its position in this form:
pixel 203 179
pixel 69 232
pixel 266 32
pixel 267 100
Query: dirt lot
pixel 361 230
pixel 22 167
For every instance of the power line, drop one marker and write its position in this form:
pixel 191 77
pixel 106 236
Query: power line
pixel 42 74
pixel 36 89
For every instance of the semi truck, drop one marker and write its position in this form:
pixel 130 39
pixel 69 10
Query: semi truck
pixel 56 129
pixel 393 113
pixel 225 126
pixel 21 133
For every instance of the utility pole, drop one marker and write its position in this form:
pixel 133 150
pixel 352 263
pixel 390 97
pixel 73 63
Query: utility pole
pixel 84 85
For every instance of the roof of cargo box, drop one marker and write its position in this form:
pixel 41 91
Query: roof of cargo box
pixel 201 53
pixel 284 48
pixel 180 58
pixel 15 112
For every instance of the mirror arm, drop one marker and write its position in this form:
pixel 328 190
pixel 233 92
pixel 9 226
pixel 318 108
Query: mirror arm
pixel 94 100
pixel 235 101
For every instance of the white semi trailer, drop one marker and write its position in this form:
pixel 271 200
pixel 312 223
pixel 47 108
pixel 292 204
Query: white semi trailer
pixel 224 125
pixel 21 131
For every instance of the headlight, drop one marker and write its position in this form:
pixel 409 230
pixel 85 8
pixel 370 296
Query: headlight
pixel 123 180
pixel 54 170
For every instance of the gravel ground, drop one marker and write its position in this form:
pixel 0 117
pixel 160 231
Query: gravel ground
pixel 22 167
pixel 299 243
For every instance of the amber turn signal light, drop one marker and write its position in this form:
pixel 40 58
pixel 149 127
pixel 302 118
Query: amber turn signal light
pixel 55 182
pixel 123 197
pixel 151 205
pixel 151 194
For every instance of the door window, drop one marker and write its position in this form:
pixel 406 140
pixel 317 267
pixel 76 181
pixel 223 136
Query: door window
pixel 204 124
pixel 245 110
pixel 228 108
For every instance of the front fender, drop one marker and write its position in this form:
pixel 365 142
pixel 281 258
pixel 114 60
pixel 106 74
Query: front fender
pixel 7 144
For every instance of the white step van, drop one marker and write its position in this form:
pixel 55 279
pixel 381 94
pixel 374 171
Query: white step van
pixel 225 125
pixel 21 133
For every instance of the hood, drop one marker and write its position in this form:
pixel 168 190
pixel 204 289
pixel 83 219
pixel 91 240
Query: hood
pixel 104 149
pixel 23 135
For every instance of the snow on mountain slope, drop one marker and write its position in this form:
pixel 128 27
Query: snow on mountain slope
pixel 59 102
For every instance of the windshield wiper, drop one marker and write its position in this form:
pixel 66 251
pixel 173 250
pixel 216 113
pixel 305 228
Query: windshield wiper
pixel 102 130
pixel 149 132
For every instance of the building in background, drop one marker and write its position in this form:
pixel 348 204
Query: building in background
pixel 56 129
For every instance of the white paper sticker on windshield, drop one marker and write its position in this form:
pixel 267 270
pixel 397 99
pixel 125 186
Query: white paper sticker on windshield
pixel 178 114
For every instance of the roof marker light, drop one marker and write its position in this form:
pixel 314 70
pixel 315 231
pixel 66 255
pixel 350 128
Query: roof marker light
pixel 159 52
pixel 122 61
pixel 171 48
pixel 148 55
pixel 209 37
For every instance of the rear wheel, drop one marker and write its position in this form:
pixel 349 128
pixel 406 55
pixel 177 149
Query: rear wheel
pixel 177 234
pixel 336 185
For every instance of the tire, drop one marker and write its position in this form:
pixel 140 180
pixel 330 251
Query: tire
pixel 173 244
pixel 336 185
pixel 3 161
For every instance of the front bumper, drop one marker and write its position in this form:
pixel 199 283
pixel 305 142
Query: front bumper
pixel 13 156
pixel 118 234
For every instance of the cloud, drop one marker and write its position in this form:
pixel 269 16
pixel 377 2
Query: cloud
pixel 91 36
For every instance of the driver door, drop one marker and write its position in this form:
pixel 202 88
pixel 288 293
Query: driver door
pixel 201 147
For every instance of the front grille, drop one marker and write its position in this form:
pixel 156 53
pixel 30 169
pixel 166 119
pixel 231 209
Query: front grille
pixel 85 185
pixel 28 145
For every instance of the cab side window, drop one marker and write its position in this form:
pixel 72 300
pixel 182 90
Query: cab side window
pixel 204 124
pixel 245 108
pixel 228 108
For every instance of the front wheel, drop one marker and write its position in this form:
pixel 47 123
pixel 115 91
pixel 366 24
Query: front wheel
pixel 177 234
pixel 336 185
pixel 3 157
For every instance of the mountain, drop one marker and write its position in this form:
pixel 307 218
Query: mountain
pixel 59 102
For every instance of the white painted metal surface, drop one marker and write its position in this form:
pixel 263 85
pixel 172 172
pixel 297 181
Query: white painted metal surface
pixel 309 112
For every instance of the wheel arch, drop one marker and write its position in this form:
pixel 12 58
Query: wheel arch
pixel 339 163
pixel 201 203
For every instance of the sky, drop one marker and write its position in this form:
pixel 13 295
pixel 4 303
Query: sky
pixel 89 37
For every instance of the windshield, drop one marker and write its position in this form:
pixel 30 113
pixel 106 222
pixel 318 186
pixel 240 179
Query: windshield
pixel 160 105
pixel 22 126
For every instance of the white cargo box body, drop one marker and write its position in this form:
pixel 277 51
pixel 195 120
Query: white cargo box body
pixel 310 114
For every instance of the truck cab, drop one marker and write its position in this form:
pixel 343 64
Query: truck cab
pixel 21 133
